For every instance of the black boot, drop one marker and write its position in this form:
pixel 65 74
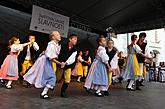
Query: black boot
pixel 127 83
pixel 137 85
pixel 63 90
pixel 120 80
pixel 141 83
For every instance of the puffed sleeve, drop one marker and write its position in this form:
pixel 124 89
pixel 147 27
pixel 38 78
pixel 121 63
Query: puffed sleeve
pixel 72 58
pixel 16 48
pixel 80 58
pixel 104 56
pixel 35 46
pixel 138 49
pixel 51 51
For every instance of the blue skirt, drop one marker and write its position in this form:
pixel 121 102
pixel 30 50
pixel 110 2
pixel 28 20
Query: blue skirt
pixel 48 77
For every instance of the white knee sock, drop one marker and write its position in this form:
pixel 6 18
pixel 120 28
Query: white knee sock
pixel 9 83
pixel 130 84
pixel 45 91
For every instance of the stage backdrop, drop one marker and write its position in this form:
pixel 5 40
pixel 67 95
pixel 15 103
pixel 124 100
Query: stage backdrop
pixel 46 21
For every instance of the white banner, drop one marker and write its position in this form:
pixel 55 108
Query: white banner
pixel 47 21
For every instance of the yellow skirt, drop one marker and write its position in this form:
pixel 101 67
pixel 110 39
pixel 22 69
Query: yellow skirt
pixel 136 66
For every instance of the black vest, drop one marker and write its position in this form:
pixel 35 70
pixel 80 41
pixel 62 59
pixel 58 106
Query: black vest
pixel 33 54
pixel 111 53
pixel 85 58
pixel 65 53
pixel 139 57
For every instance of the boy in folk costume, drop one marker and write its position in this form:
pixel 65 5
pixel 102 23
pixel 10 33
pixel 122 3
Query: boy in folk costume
pixel 86 62
pixel 141 60
pixel 132 70
pixel 9 68
pixel 41 74
pixel 28 56
pixel 97 77
pixel 68 55
pixel 113 59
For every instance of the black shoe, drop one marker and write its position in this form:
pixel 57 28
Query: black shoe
pixel 64 95
pixel 141 84
pixel 28 85
pixel 45 96
pixel 2 82
pixel 137 88
pixel 130 89
pixel 52 89
pixel 87 90
pixel 106 93
pixel 99 94
pixel 8 87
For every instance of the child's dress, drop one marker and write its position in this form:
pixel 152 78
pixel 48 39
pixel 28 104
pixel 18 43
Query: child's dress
pixel 9 68
pixel 42 74
pixel 132 69
pixel 97 77
pixel 78 70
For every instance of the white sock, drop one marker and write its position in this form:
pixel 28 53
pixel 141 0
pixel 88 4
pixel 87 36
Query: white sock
pixel 45 91
pixel 9 83
pixel 79 78
pixel 130 84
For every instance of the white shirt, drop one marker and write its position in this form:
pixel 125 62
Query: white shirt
pixel 35 46
pixel 16 48
pixel 52 50
pixel 101 52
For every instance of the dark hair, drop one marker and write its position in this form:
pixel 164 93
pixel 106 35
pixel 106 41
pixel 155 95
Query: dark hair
pixel 99 39
pixel 72 35
pixel 11 41
pixel 133 37
pixel 143 34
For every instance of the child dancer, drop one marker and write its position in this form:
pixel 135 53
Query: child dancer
pixel 41 74
pixel 9 68
pixel 78 70
pixel 132 71
pixel 97 77
pixel 112 52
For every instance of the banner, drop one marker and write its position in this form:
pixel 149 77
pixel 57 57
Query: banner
pixel 46 21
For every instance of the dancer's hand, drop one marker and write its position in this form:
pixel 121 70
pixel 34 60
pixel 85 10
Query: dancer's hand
pixel 63 64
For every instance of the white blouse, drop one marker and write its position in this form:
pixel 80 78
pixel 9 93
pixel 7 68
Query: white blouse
pixel 52 50
pixel 16 48
pixel 137 48
pixel 101 52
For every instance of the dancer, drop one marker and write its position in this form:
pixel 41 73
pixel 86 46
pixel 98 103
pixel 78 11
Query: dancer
pixel 9 68
pixel 97 77
pixel 41 74
pixel 132 70
pixel 68 55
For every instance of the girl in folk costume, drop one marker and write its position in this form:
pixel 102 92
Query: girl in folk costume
pixel 78 70
pixel 9 68
pixel 132 70
pixel 41 74
pixel 97 77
